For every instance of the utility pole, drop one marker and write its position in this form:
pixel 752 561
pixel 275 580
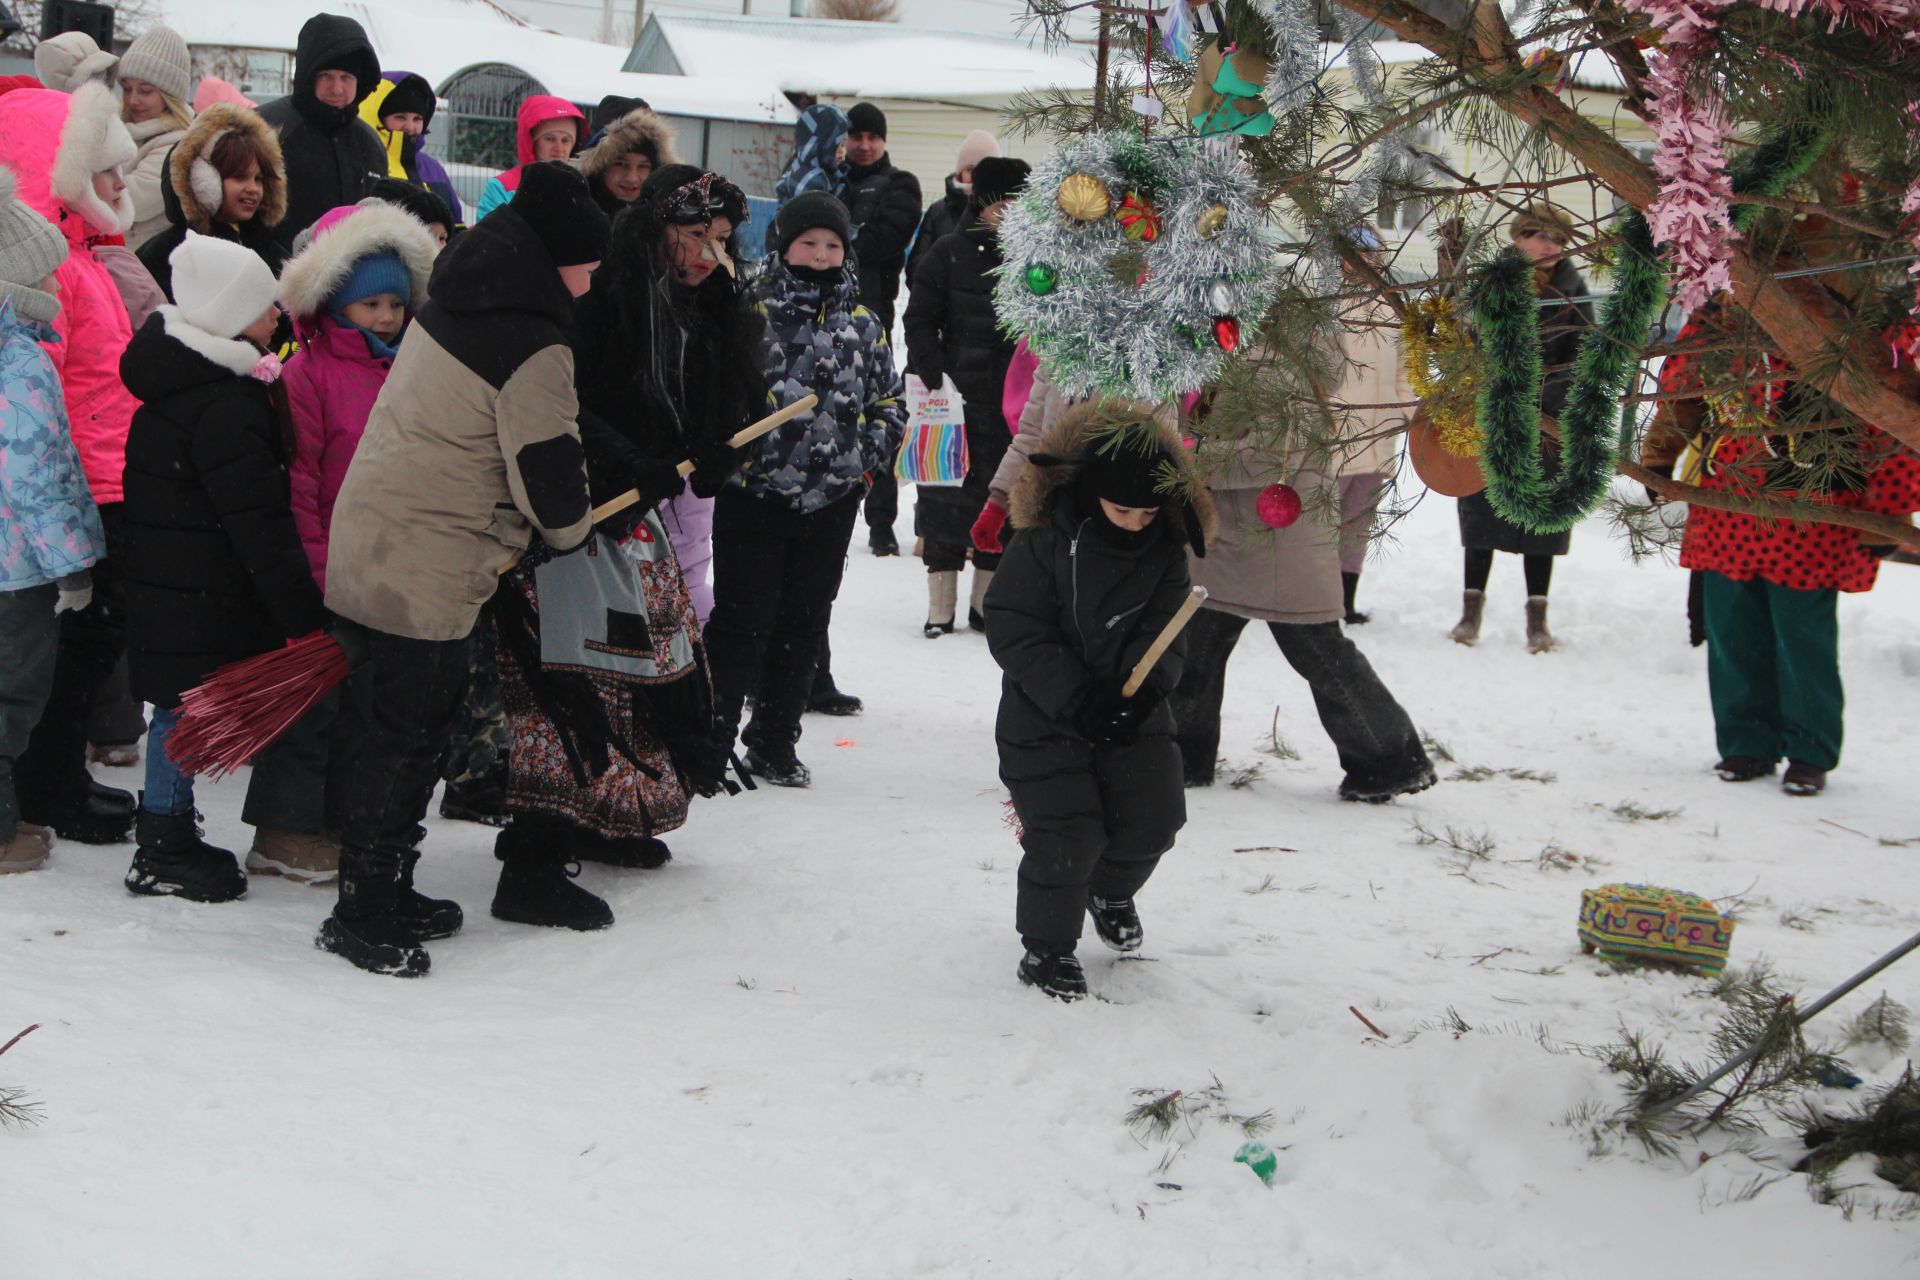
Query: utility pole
pixel 639 18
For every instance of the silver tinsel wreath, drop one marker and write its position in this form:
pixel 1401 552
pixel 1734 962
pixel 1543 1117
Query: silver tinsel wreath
pixel 1097 332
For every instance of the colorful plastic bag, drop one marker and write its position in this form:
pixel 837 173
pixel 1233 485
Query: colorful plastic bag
pixel 934 451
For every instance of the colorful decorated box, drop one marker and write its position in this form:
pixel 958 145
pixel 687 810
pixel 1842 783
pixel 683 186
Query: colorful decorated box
pixel 1646 922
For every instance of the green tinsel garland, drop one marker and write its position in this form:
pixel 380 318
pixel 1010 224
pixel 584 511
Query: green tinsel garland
pixel 1508 320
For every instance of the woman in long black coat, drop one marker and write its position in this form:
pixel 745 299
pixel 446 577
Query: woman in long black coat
pixel 1542 232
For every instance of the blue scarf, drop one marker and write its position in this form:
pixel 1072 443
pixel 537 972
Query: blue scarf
pixel 379 348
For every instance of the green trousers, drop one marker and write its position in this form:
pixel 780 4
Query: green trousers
pixel 1773 670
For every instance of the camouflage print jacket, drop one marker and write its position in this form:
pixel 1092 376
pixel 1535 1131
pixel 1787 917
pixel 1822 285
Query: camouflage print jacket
pixel 821 340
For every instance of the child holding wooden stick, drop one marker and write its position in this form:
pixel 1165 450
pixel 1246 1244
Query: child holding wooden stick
pixel 1096 570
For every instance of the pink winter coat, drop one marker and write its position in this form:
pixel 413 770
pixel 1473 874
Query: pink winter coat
pixel 93 327
pixel 333 380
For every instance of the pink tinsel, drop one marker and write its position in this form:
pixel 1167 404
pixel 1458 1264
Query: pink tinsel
pixel 1882 19
pixel 1690 154
pixel 1682 23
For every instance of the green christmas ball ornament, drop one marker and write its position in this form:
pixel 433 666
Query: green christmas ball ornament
pixel 1042 279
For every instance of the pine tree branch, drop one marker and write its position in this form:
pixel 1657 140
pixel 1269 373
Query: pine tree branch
pixel 1885 529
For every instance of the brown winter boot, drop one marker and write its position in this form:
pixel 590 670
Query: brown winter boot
pixel 27 851
pixel 303 858
pixel 1539 639
pixel 1467 630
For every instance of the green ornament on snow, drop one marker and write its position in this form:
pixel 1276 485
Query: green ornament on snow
pixel 1042 279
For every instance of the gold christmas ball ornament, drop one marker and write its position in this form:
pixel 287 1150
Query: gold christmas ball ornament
pixel 1084 198
pixel 1211 221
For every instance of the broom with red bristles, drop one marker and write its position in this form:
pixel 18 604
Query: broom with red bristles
pixel 243 708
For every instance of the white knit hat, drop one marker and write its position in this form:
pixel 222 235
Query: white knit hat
pixel 220 286
pixel 160 58
pixel 69 60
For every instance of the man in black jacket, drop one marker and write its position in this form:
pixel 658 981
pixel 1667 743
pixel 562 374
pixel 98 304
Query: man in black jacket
pixel 883 203
pixel 332 155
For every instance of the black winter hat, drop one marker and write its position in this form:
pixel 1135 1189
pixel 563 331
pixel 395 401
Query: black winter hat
pixel 411 94
pixel 421 202
pixel 998 177
pixel 867 118
pixel 555 200
pixel 806 211
pixel 613 107
pixel 1131 468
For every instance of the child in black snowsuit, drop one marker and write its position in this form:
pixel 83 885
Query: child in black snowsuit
pixel 1103 519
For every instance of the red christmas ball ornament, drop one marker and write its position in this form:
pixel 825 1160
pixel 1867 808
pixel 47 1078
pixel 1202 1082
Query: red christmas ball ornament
pixel 1278 505
pixel 1226 331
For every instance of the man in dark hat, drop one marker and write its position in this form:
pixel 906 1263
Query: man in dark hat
pixel 332 155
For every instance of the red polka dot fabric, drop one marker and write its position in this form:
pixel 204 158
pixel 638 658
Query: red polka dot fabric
pixel 1800 555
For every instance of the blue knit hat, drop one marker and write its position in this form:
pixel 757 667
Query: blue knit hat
pixel 375 274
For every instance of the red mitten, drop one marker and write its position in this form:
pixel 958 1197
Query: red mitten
pixel 986 529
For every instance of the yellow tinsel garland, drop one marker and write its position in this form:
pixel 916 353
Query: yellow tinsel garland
pixel 1444 370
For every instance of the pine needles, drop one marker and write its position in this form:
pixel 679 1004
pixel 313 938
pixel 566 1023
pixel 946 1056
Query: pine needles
pixel 1161 1112
pixel 16 1106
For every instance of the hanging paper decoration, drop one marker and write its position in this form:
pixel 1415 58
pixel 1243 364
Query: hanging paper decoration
pixel 1084 198
pixel 1042 279
pixel 1177 30
pixel 1135 318
pixel 1278 505
pixel 1228 94
pixel 1141 220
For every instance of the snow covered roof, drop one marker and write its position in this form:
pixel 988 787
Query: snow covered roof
pixel 440 38
pixel 856 59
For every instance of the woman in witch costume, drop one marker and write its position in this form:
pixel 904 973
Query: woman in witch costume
pixel 601 663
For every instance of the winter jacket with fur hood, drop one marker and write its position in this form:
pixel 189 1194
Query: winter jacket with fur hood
pixel 147 179
pixel 1068 610
pixel 883 203
pixel 54 144
pixel 334 379
pixel 821 341
pixel 213 565
pixel 195 191
pixel 51 528
pixel 639 130
pixel 537 110
pixel 472 447
pixel 407 157
pixel 332 156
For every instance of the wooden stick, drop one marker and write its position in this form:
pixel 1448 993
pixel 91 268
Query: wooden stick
pixel 1164 641
pixel 615 505
pixel 1354 1010
pixel 17 1039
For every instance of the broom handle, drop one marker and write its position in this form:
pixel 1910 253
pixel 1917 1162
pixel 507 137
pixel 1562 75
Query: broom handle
pixel 1164 641
pixel 615 505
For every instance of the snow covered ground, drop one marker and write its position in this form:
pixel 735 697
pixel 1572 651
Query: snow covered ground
pixel 802 1052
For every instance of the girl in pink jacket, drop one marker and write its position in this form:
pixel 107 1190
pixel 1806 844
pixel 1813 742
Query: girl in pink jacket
pixel 351 292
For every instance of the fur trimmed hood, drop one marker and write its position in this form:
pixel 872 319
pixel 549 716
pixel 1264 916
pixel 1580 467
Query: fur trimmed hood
pixel 343 237
pixel 195 183
pixel 1050 469
pixel 638 130
pixel 93 140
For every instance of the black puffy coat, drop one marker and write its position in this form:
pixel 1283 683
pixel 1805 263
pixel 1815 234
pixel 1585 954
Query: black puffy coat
pixel 332 155
pixel 1067 611
pixel 951 328
pixel 1562 323
pixel 213 564
pixel 883 203
pixel 943 217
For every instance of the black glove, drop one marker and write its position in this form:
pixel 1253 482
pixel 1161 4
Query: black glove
pixel 1653 495
pixel 658 480
pixel 713 462
pixel 1107 718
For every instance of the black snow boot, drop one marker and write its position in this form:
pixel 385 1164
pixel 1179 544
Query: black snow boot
pixel 103 816
pixel 1053 969
pixel 366 928
pixel 882 542
pixel 621 851
pixel 828 700
pixel 1743 768
pixel 481 800
pixel 783 770
pixel 1349 587
pixel 429 918
pixel 1117 922
pixel 536 880
pixel 173 861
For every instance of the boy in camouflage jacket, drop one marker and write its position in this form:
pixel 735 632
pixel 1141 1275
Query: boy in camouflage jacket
pixel 782 524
